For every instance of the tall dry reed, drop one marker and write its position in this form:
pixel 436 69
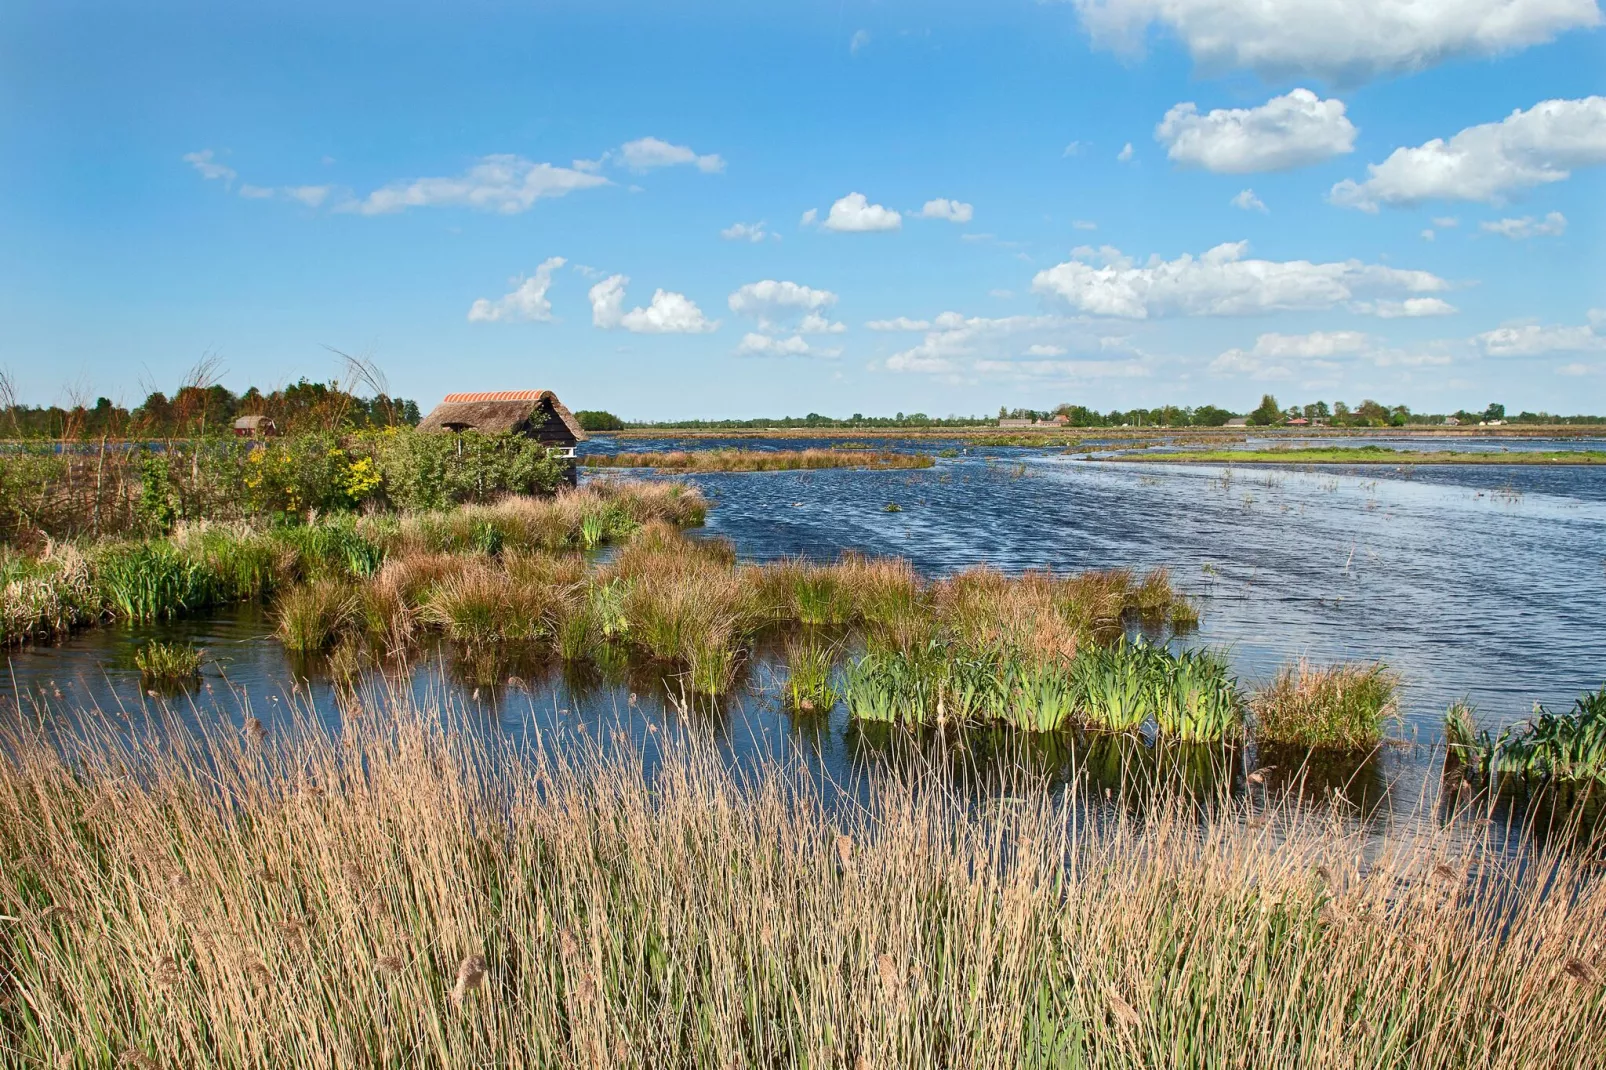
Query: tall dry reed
pixel 413 894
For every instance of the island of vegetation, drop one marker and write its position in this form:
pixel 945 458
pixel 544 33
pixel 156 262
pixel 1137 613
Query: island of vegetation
pixel 737 460
pixel 1362 455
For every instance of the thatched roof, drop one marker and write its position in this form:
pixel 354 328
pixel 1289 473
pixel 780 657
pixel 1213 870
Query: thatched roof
pixel 498 410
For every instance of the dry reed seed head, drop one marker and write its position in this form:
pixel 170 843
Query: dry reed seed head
pixel 844 849
pixel 167 973
pixel 470 975
pixel 891 976
pixel 1123 1012
pixel 1446 874
pixel 568 946
pixel 1581 972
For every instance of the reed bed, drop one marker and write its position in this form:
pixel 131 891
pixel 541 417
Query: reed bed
pixel 739 460
pixel 1190 697
pixel 414 894
pixel 209 564
pixel 1557 748
pixel 688 603
pixel 1340 707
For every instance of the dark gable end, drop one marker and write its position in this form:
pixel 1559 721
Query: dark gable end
pixel 499 412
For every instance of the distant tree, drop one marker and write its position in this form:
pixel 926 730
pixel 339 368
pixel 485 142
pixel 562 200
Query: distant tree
pixel 1267 414
pixel 599 420
pixel 1495 411
pixel 1210 416
pixel 1370 414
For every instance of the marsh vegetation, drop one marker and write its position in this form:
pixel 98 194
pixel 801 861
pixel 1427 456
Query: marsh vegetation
pixel 410 893
pixel 1354 455
pixel 740 460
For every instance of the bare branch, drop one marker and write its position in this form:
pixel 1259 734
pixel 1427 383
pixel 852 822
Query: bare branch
pixel 8 398
pixel 363 371
pixel 204 373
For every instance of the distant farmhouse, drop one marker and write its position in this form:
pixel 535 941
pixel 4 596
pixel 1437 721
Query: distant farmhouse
pixel 536 414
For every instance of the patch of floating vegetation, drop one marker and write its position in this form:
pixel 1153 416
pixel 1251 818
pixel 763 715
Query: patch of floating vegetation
pixel 167 663
pixel 1365 455
pixel 854 455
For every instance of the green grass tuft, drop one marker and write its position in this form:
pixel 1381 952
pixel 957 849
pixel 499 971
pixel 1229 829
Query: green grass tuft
pixel 1340 707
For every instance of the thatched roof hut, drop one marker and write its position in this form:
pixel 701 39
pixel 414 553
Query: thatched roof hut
pixel 536 414
pixel 254 426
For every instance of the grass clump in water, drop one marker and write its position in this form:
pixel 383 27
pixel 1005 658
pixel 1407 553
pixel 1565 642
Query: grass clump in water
pixel 1197 699
pixel 1562 748
pixel 1339 707
pixel 808 687
pixel 168 663
pixel 309 618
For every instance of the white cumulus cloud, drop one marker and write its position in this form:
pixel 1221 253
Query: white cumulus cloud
pixel 1410 308
pixel 958 345
pixel 855 213
pixel 669 312
pixel 206 163
pixel 1126 153
pixel 528 301
pixel 783 307
pixel 1339 40
pixel 1534 340
pixel 1487 162
pixel 1249 202
pixel 649 153
pixel 1219 282
pixel 502 183
pixel 1293 130
pixel 754 344
pixel 1553 225
pixel 899 323
pixel 1274 355
pixel 769 296
pixel 311 196
pixel 753 232
pixel 943 208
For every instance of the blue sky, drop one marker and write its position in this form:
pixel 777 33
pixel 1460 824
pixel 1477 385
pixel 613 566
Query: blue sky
pixel 1399 199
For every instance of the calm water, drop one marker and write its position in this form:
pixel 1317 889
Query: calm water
pixel 1483 583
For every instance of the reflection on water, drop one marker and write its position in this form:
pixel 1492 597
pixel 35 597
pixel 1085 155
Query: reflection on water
pixel 1474 582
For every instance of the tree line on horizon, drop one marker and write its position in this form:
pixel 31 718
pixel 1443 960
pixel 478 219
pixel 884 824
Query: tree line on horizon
pixel 1368 413
pixel 207 409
